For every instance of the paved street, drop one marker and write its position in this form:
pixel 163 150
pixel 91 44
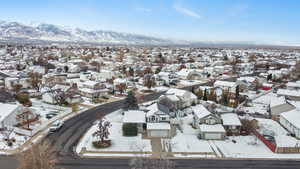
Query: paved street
pixel 67 137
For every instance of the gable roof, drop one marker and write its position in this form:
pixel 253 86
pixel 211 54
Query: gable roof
pixel 134 116
pixel 293 117
pixel 200 111
pixel 231 119
pixel 6 110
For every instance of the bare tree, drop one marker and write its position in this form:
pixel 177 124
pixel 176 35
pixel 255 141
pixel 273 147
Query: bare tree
pixel 102 132
pixel 35 79
pixel 58 95
pixel 97 65
pixel 149 81
pixel 17 87
pixel 40 156
pixel 149 163
pixel 121 87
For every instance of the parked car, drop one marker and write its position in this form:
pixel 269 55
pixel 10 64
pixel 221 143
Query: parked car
pixel 56 126
pixel 50 115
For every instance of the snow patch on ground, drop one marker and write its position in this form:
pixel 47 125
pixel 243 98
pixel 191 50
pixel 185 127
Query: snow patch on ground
pixel 119 142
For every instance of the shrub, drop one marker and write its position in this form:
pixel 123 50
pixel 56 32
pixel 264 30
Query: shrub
pixel 129 129
pixel 103 144
pixel 23 98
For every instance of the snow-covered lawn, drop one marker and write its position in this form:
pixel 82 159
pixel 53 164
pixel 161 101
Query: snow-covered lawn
pixel 248 147
pixel 43 109
pixel 119 142
pixel 267 125
pixel 188 140
pixel 20 140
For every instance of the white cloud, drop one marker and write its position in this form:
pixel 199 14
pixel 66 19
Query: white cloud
pixel 142 9
pixel 185 11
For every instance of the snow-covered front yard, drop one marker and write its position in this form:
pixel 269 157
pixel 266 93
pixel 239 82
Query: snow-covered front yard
pixel 119 142
pixel 187 141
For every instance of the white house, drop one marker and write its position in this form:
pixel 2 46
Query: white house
pixel 156 115
pixel 225 85
pixel 187 98
pixel 8 113
pixel 231 123
pixel 212 132
pixel 159 130
pixel 293 85
pixel 291 94
pixel 291 121
pixel 93 89
pixel 135 117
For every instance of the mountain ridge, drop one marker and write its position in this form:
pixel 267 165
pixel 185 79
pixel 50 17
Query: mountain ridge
pixel 50 32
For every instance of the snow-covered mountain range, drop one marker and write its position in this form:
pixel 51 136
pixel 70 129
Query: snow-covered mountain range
pixel 54 33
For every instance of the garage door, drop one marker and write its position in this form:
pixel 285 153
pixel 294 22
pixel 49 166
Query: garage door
pixel 213 136
pixel 159 133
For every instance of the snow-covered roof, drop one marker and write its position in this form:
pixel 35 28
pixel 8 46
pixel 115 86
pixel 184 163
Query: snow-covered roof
pixel 6 110
pixel 276 101
pixel 265 99
pixel 134 116
pixel 216 128
pixel 230 119
pixel 158 126
pixel 163 73
pixel 119 80
pixel 293 84
pixel 153 109
pixel 286 141
pixel 177 92
pixel 286 92
pixel 185 72
pixel 293 117
pixel 200 111
pixel 247 79
pixel 90 83
pixel 220 83
pixel 173 98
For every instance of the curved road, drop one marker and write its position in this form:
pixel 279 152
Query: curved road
pixel 65 140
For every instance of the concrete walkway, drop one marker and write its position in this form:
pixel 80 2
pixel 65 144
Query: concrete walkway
pixel 156 147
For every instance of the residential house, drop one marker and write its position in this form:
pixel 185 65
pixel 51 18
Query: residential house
pixel 231 123
pixel 290 94
pixel 203 116
pixel 225 85
pixel 291 121
pixel 157 113
pixel 93 89
pixel 69 93
pixel 187 98
pixel 161 130
pixel 8 114
pixel 135 117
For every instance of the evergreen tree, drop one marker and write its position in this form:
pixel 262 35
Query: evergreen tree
pixel 131 101
pixel 237 91
pixel 205 95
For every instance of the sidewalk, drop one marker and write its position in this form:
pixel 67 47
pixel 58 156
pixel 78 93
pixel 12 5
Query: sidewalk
pixel 156 147
pixel 40 134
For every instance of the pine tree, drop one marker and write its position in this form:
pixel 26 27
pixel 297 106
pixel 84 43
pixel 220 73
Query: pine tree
pixel 205 95
pixel 237 91
pixel 131 101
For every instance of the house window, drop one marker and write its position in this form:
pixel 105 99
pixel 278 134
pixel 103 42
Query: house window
pixel 210 121
pixel 163 118
pixel 153 118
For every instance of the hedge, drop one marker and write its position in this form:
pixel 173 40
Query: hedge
pixel 130 129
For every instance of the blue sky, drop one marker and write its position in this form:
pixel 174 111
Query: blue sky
pixel 263 21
